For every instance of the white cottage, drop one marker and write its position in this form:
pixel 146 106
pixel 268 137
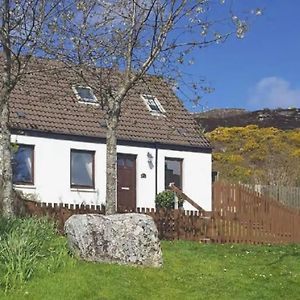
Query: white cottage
pixel 59 128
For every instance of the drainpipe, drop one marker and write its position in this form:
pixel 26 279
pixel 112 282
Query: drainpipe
pixel 156 160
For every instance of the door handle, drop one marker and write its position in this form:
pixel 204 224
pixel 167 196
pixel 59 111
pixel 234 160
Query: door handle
pixel 125 188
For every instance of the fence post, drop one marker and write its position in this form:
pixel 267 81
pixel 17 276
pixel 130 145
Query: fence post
pixel 175 201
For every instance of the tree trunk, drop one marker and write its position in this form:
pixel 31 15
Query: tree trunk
pixel 6 186
pixel 111 165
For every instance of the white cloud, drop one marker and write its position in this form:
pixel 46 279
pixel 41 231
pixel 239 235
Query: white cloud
pixel 274 92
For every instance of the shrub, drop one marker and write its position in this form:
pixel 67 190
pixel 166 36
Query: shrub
pixel 165 199
pixel 25 246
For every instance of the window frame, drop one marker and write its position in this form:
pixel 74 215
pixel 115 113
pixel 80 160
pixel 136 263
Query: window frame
pixel 82 100
pixel 180 160
pixel 27 183
pixel 80 186
pixel 158 104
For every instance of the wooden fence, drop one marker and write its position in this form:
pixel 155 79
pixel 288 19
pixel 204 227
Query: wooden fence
pixel 239 215
pixel 58 212
pixel 171 224
pixel 181 225
pixel 287 195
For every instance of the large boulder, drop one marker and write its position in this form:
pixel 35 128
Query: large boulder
pixel 121 238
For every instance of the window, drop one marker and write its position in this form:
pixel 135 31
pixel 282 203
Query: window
pixel 153 104
pixel 173 172
pixel 125 162
pixel 22 165
pixel 85 94
pixel 82 169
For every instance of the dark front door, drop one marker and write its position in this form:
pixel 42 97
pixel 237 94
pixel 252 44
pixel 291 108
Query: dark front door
pixel 126 182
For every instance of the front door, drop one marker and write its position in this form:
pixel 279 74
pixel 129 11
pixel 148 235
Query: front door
pixel 126 182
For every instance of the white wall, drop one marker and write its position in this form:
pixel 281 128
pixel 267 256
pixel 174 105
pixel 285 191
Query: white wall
pixel 52 172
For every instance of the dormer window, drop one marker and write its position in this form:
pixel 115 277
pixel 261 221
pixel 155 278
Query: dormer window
pixel 84 94
pixel 153 104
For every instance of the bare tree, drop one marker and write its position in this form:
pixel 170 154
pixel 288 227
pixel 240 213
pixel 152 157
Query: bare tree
pixel 23 34
pixel 98 37
pixel 136 37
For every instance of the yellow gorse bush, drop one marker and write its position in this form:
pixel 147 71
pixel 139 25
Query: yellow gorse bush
pixel 257 155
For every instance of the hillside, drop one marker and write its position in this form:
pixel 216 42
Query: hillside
pixel 284 119
pixel 256 155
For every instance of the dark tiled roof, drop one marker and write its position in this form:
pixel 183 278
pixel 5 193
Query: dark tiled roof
pixel 44 101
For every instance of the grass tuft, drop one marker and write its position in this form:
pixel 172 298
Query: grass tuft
pixel 27 245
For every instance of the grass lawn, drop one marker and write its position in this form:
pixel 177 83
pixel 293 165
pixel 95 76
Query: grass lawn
pixel 191 271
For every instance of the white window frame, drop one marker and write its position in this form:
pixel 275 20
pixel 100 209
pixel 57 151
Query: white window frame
pixel 32 163
pixel 155 112
pixel 82 186
pixel 80 99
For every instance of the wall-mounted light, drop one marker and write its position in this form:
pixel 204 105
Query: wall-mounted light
pixel 150 157
pixel 150 160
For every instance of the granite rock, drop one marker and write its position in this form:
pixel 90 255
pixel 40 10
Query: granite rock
pixel 121 238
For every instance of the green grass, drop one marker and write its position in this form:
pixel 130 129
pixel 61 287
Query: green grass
pixel 191 271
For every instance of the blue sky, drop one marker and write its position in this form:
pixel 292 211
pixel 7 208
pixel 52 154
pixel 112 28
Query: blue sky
pixel 260 71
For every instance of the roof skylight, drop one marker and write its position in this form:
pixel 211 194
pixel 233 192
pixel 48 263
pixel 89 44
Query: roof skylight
pixel 84 94
pixel 153 104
